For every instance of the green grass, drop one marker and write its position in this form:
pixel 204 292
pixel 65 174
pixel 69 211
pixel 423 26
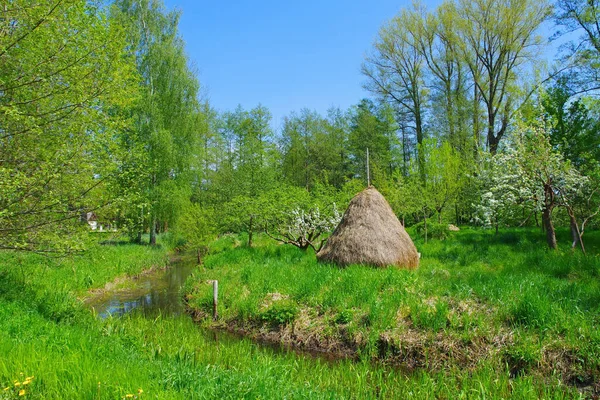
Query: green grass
pixel 500 306
pixel 47 333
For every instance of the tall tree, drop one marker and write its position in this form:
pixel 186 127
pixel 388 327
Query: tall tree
pixel 373 128
pixel 395 70
pixel 447 75
pixel 574 127
pixel 63 69
pixel 166 116
pixel 497 41
pixel 582 55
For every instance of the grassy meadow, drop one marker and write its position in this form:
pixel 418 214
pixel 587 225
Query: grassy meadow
pixel 502 308
pixel 481 318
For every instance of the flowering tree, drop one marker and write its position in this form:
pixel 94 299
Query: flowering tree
pixel 305 229
pixel 529 172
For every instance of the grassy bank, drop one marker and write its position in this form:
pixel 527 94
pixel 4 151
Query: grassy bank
pixel 500 307
pixel 46 334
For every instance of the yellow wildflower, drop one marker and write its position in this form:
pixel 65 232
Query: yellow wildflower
pixel 26 382
pixel 6 388
pixel 129 395
pixel 17 384
pixel 140 391
pixel 22 392
pixel 30 378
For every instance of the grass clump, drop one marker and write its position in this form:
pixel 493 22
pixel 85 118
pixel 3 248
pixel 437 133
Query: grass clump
pixel 281 312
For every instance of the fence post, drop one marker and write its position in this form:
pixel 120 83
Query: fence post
pixel 215 299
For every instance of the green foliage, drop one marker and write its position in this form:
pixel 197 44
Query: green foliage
pixel 164 138
pixel 574 126
pixel 63 74
pixel 433 230
pixel 281 312
pixel 195 226
pixel 344 317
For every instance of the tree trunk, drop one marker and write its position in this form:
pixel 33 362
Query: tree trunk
pixel 575 233
pixel 549 228
pixel 250 229
pixel 153 231
pixel 476 133
pixel 547 215
pixel 493 142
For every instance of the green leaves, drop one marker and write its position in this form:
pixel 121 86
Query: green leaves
pixel 63 69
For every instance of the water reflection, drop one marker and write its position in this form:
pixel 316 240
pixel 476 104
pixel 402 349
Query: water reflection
pixel 156 293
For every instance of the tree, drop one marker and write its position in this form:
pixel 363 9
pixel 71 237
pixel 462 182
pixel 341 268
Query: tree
pixel 395 70
pixel 583 54
pixel 166 116
pixel 443 175
pixel 304 228
pixel 447 76
pixel 532 171
pixel 63 72
pixel 497 41
pixel 574 128
pixel 373 127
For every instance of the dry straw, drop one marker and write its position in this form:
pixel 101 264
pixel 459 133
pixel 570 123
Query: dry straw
pixel 370 233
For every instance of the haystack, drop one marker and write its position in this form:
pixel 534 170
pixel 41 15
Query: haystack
pixel 370 233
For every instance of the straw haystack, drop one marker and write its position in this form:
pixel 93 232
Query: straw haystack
pixel 370 233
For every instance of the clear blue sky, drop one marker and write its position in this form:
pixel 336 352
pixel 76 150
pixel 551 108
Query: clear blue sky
pixel 286 55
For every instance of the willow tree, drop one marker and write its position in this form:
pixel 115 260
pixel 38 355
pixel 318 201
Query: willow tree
pixel 166 114
pixel 63 69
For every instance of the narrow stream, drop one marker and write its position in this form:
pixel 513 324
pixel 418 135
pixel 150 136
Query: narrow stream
pixel 152 294
pixel 159 293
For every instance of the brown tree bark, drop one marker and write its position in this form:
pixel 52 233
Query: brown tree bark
pixel 547 216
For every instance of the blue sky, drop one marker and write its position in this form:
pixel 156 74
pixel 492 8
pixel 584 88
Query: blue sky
pixel 286 55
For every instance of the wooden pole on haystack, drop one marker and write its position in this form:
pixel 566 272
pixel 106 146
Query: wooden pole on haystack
pixel 368 170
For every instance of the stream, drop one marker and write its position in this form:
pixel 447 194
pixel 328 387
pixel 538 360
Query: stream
pixel 152 294
pixel 159 293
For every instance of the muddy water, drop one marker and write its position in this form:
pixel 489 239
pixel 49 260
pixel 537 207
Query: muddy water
pixel 152 294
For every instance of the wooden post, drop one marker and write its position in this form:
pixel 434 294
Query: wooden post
pixel 215 299
pixel 368 171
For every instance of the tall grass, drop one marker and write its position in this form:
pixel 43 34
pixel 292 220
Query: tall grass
pixel 46 332
pixel 502 298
